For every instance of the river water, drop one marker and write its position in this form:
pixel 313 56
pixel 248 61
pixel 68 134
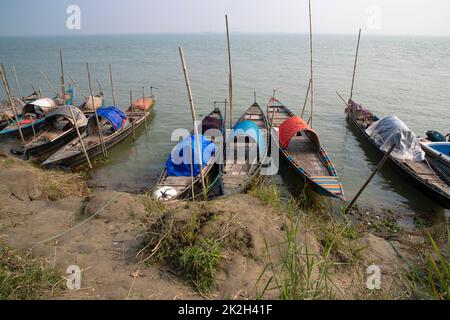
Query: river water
pixel 408 77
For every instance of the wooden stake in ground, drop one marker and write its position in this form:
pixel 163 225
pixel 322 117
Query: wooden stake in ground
pixel 194 120
pixel 230 75
pixel 378 168
pixel 112 85
pixel 354 66
pixel 100 131
pixel 17 82
pixel 71 112
pixel 312 73
pixel 11 101
pixel 132 117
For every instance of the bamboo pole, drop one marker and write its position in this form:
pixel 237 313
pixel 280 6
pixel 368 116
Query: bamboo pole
pixel 230 74
pixel 343 100
pixel 132 112
pixel 306 99
pixel 83 147
pixel 112 85
pixel 143 102
pixel 354 66
pixel 100 132
pixel 78 88
pixel 378 168
pixel 194 120
pixel 10 98
pixel 17 82
pixel 50 85
pixel 312 73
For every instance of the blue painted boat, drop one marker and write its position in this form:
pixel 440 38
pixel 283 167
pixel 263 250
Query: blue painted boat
pixel 438 153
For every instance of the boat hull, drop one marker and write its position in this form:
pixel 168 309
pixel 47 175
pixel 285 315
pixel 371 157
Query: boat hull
pixel 94 151
pixel 432 192
pixel 27 130
pixel 54 145
pixel 438 159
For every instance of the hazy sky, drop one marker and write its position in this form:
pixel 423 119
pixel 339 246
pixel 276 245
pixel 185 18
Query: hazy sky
pixel 395 17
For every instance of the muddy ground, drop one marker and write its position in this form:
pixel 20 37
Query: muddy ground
pixel 116 239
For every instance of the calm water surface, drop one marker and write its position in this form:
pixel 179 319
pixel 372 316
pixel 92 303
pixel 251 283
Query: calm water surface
pixel 408 77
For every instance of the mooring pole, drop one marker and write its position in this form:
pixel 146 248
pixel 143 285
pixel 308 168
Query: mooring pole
pixel 194 120
pixel 143 102
pixel 312 73
pixel 230 74
pixel 306 99
pixel 10 98
pixel 132 112
pixel 100 131
pixel 354 66
pixel 112 85
pixel 17 82
pixel 378 168
pixel 75 123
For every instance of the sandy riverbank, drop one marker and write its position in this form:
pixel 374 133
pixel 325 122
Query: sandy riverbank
pixel 239 247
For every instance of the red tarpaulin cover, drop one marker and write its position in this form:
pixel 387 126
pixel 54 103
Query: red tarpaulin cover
pixel 291 127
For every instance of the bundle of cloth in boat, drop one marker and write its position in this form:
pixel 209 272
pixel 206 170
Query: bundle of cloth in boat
pixel 184 157
pixel 391 131
pixel 116 117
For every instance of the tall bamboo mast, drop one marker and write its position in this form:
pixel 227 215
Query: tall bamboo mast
pixel 11 101
pixel 194 120
pixel 312 73
pixel 17 82
pixel 63 90
pixel 230 75
pixel 100 132
pixel 354 66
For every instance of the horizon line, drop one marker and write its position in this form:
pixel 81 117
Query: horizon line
pixel 74 34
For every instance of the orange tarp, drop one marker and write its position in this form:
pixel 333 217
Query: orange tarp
pixel 144 105
pixel 290 128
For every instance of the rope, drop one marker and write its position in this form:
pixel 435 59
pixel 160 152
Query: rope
pixel 77 226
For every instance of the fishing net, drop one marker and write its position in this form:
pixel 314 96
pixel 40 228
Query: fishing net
pixel 393 131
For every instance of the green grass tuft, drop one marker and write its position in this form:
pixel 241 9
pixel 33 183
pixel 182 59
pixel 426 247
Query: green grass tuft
pixel 23 278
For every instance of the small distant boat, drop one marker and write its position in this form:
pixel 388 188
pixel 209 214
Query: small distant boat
pixel 58 130
pixel 249 140
pixel 115 124
pixel 437 150
pixel 178 177
pixel 300 147
pixel 408 157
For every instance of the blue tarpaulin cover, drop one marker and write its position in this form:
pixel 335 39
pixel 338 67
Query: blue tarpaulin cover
pixel 179 165
pixel 251 129
pixel 114 115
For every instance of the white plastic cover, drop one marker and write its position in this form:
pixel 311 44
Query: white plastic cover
pixel 391 130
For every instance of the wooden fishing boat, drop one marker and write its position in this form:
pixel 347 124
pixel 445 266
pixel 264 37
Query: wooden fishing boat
pixel 32 119
pixel 420 174
pixel 58 130
pixel 115 126
pixel 32 115
pixel 7 112
pixel 246 151
pixel 300 147
pixel 438 153
pixel 179 185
